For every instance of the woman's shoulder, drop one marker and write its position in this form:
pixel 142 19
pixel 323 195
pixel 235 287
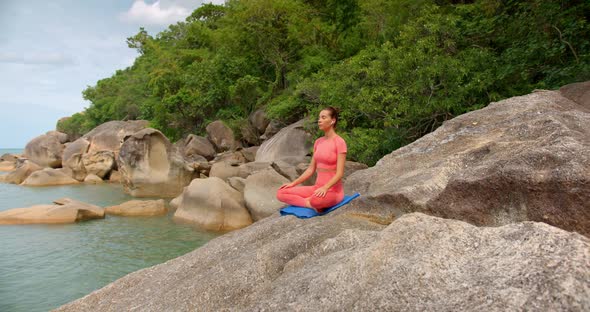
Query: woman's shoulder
pixel 339 139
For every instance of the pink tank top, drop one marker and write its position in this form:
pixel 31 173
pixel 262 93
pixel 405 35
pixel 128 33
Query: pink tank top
pixel 325 151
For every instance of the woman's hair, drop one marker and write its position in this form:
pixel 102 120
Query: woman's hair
pixel 333 113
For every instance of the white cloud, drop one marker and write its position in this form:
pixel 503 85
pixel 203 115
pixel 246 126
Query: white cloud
pixel 51 58
pixel 154 14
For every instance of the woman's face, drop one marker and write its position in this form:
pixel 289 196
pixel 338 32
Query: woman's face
pixel 325 121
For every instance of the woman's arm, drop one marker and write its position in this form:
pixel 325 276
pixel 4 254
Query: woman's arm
pixel 304 176
pixel 341 159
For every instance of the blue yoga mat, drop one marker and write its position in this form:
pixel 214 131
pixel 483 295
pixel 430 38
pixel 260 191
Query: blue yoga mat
pixel 304 213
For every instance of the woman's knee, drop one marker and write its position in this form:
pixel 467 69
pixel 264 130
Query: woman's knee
pixel 281 194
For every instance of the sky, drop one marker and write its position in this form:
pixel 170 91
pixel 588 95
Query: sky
pixel 50 51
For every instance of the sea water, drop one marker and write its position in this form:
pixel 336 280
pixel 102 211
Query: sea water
pixel 45 266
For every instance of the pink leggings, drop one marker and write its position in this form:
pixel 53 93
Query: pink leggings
pixel 298 195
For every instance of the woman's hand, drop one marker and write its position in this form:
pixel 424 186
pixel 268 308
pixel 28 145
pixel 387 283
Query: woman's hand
pixel 321 192
pixel 287 185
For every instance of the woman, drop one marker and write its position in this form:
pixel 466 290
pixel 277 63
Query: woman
pixel 329 156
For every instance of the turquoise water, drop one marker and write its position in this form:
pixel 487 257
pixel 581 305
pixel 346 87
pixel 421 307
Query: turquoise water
pixel 45 266
pixel 11 151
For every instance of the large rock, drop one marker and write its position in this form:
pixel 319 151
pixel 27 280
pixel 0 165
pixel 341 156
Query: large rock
pixel 109 136
pixel 221 136
pixel 291 142
pixel 249 153
pixel 72 158
pixel 237 183
pixel 138 208
pixel 213 205
pixel 249 135
pixel 175 202
pixel 93 179
pixel 65 210
pixel 115 176
pixel 259 120
pixel 9 157
pixel 7 165
pixel 351 167
pixel 61 137
pixel 225 170
pixel 198 145
pixel 348 263
pixel 99 163
pixel 273 128
pixel 23 170
pixel 45 150
pixel 260 193
pixel 524 158
pixel 48 177
pixel 149 167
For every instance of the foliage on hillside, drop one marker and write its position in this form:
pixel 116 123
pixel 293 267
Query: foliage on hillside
pixel 396 68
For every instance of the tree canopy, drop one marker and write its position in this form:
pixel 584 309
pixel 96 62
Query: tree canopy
pixel 397 69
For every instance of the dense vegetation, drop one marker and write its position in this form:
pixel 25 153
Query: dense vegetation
pixel 396 68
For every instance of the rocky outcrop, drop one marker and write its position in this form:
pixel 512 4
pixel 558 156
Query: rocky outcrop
pixel 115 176
pixel 198 145
pixel 65 210
pixel 250 153
pixel 46 150
pixel 523 158
pixel 9 157
pixel 48 177
pixel 149 166
pixel 23 170
pixel 93 179
pixel 221 136
pixel 351 167
pixel 138 208
pixel 237 183
pixel 7 165
pixel 260 193
pixel 213 205
pixel 347 262
pixel 99 163
pixel 109 136
pixel 291 142
pixel 61 137
pixel 72 158
pixel 175 202
pixel 273 128
pixel 225 170
pixel 258 120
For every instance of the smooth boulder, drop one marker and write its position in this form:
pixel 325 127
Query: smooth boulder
pixel 523 158
pixel 213 205
pixel 349 263
pixel 93 179
pixel 72 158
pixel 292 141
pixel 7 165
pixel 198 145
pixel 23 170
pixel 45 150
pixel 64 210
pixel 48 177
pixel 221 136
pixel 225 169
pixel 260 193
pixel 110 135
pixel 150 167
pixel 135 208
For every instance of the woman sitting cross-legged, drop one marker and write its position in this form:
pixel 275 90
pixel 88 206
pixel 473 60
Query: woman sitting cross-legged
pixel 329 156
